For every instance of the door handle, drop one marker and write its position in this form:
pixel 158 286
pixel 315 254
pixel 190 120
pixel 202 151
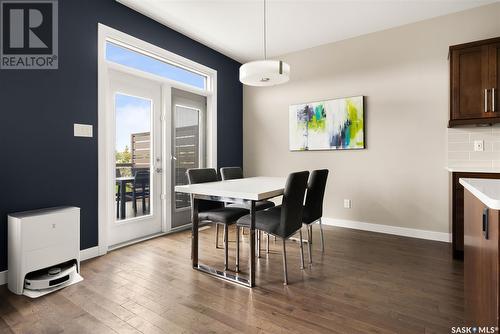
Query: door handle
pixel 158 169
pixel 493 99
pixel 173 157
pixel 485 223
pixel 486 100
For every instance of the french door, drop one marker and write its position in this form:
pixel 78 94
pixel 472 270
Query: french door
pixel 157 115
pixel 142 138
pixel 136 106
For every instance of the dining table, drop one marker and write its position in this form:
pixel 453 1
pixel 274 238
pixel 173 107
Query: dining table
pixel 122 183
pixel 245 191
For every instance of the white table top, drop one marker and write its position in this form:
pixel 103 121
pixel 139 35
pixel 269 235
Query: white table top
pixel 250 188
pixel 486 190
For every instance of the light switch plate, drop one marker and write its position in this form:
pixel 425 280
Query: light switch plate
pixel 478 145
pixel 83 130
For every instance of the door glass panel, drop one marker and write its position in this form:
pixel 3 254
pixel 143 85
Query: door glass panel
pixel 187 148
pixel 133 156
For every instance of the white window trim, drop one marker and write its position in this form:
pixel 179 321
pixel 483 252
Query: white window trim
pixel 105 33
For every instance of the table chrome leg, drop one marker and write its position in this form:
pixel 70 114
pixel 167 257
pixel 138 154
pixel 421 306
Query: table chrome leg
pixel 194 233
pixel 285 273
pixel 226 246
pixel 309 244
pixel 252 244
pixel 216 235
pixel 321 235
pixel 259 237
pixel 267 245
pixel 237 249
pixel 301 250
pixel 225 275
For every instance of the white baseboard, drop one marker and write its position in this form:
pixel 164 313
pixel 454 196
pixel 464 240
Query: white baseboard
pixel 3 277
pixel 89 253
pixel 388 229
pixel 84 255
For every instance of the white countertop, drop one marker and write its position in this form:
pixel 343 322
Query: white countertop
pixel 474 169
pixel 486 190
pixel 250 188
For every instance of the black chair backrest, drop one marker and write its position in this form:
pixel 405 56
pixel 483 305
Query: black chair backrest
pixel 141 179
pixel 231 173
pixel 203 175
pixel 293 203
pixel 315 194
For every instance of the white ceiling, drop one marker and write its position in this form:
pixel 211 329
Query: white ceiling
pixel 235 27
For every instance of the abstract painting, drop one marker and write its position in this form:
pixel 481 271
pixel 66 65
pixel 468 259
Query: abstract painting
pixel 336 124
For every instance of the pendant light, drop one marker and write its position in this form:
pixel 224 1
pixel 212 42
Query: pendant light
pixel 264 72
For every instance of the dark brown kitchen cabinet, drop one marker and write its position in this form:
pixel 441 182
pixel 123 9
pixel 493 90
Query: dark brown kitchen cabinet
pixel 457 212
pixel 494 64
pixel 474 82
pixel 481 263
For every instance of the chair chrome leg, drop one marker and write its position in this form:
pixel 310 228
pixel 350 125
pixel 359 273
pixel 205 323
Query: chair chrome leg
pixel 259 239
pixel 225 246
pixel 216 235
pixel 237 249
pixel 285 273
pixel 267 245
pixel 309 244
pixel 301 246
pixel 321 235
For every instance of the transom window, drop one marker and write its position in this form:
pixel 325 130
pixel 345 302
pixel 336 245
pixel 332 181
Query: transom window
pixel 143 62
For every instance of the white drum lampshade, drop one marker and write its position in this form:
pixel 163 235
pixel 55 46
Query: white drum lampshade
pixel 264 73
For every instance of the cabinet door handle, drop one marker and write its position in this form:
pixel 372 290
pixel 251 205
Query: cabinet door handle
pixel 493 99
pixel 485 223
pixel 486 100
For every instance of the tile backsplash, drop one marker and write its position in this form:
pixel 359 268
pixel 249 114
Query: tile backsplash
pixel 461 147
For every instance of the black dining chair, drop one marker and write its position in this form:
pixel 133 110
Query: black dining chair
pixel 313 208
pixel 214 211
pixel 285 220
pixel 140 189
pixel 232 173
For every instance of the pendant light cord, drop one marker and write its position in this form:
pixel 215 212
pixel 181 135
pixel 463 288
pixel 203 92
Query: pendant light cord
pixel 265 32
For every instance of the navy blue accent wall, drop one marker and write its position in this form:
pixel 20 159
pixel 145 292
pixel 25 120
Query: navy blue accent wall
pixel 41 163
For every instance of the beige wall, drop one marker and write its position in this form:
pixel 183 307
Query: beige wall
pixel 400 178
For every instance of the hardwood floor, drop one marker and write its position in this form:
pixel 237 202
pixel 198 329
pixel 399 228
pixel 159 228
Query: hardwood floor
pixel 364 283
